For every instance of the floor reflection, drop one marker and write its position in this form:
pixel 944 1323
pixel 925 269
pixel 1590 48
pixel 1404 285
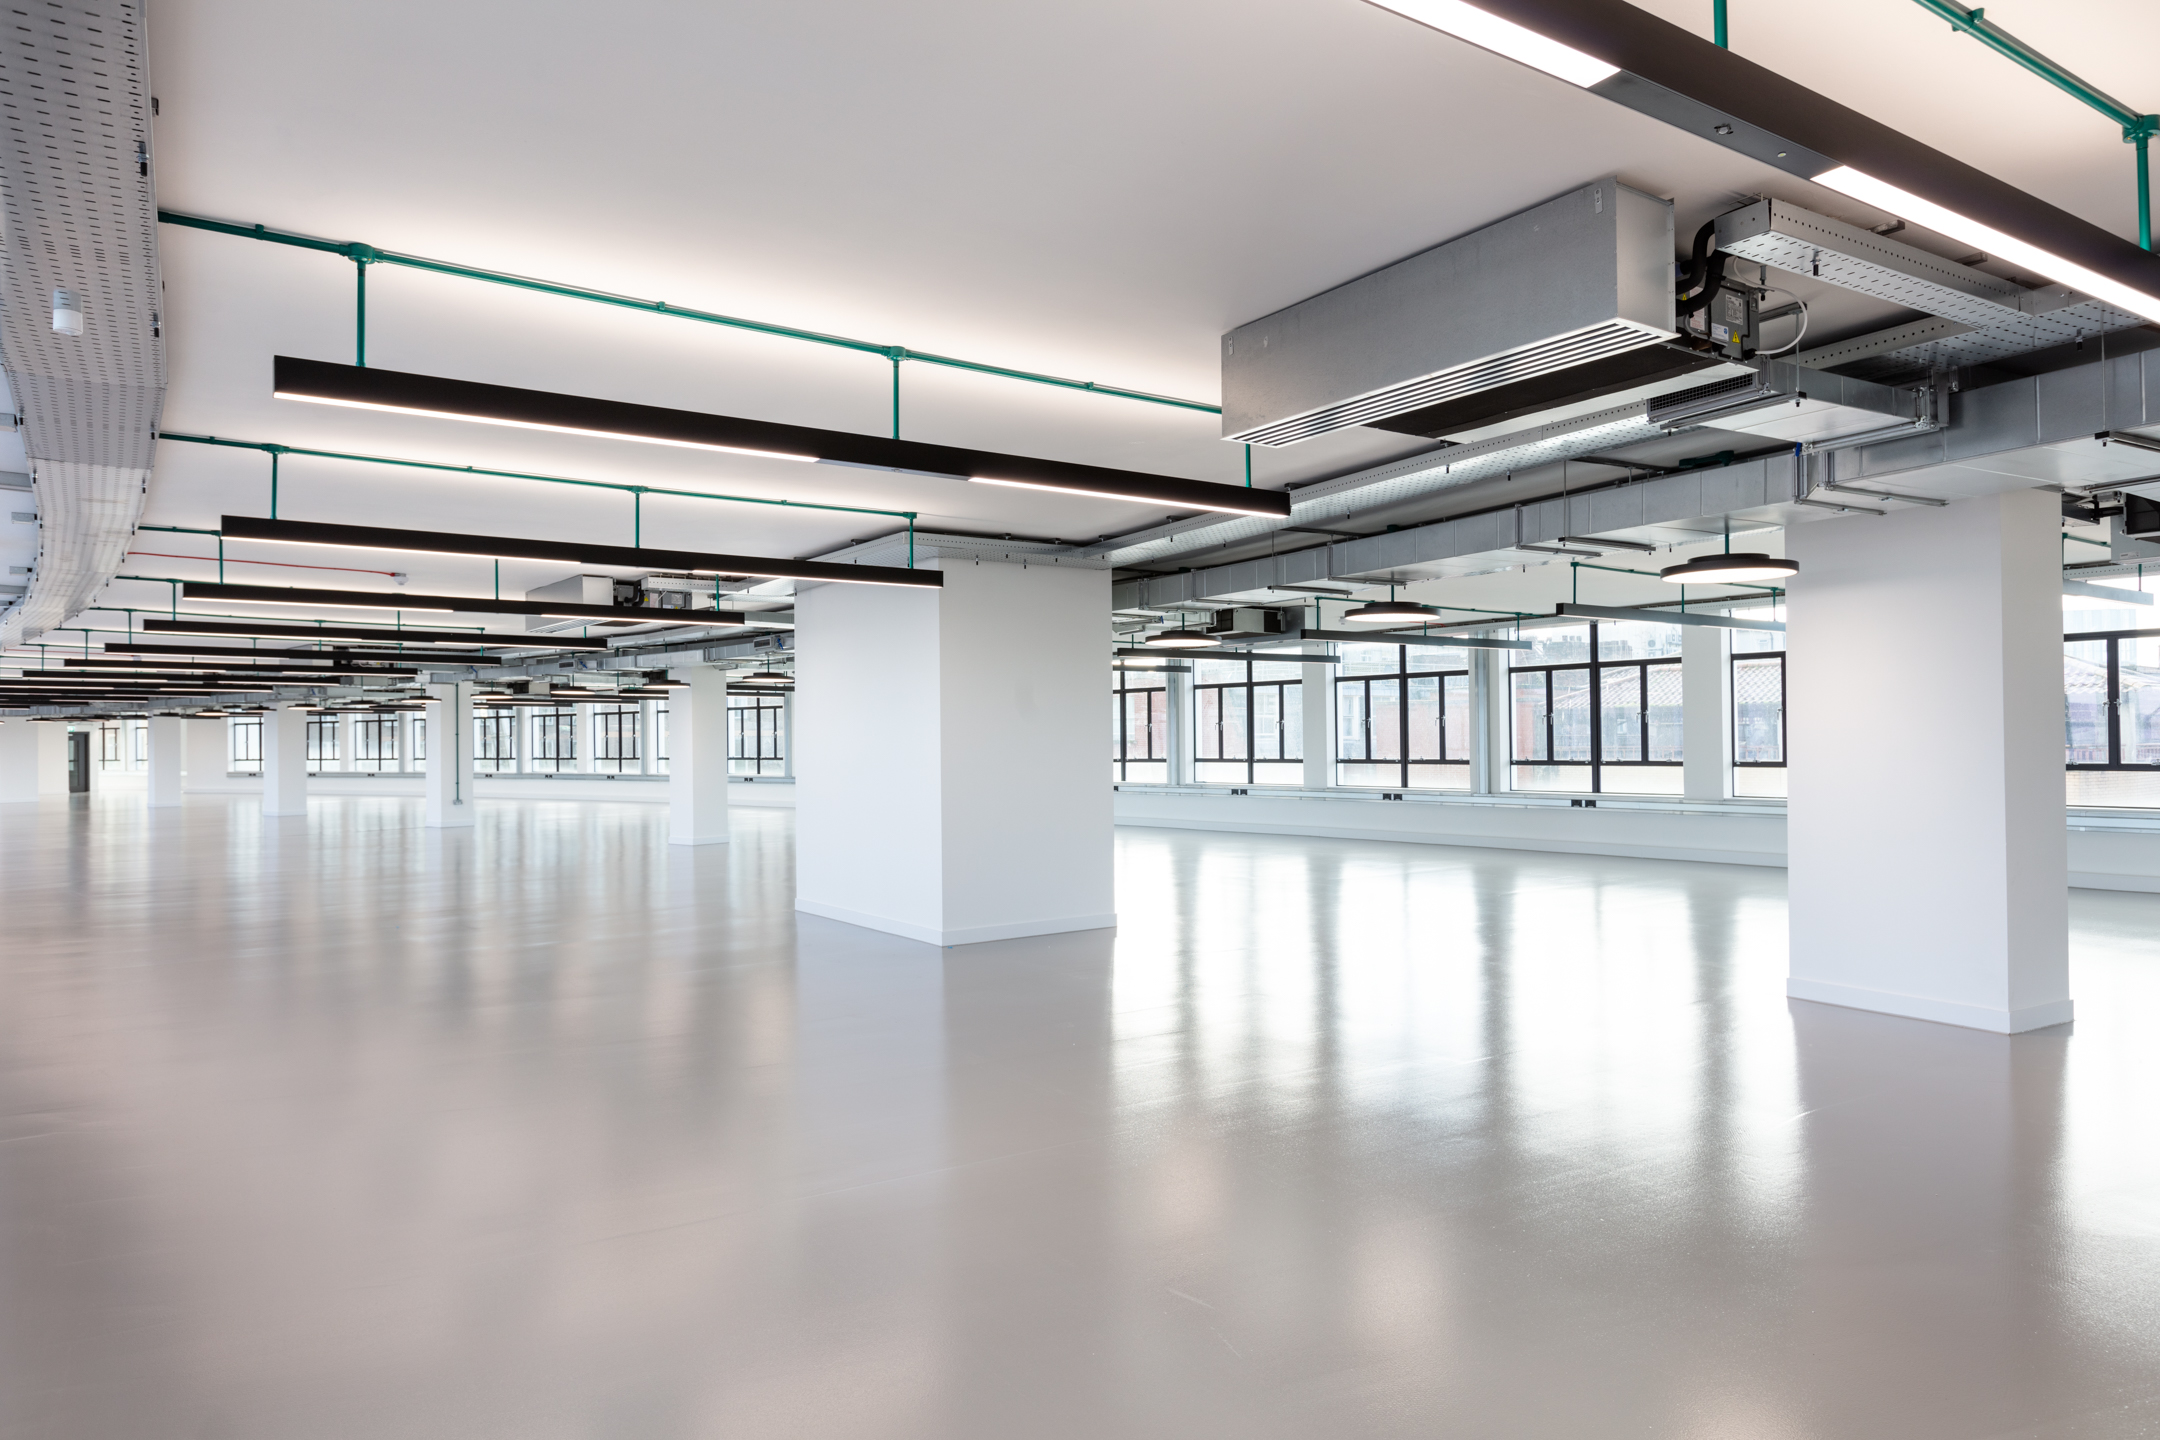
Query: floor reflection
pixel 336 1126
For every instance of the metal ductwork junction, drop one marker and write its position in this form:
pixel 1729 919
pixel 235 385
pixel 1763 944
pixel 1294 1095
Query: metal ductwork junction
pixel 79 332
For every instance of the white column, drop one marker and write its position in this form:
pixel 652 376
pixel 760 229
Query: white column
pixel 449 755
pixel 1928 865
pixel 168 740
pixel 1318 690
pixel 951 787
pixel 19 760
pixel 697 758
pixel 208 756
pixel 53 758
pixel 284 761
pixel 1705 732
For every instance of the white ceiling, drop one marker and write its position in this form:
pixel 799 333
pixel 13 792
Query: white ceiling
pixel 1094 191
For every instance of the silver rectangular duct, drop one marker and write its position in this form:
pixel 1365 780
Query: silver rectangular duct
pixel 1569 299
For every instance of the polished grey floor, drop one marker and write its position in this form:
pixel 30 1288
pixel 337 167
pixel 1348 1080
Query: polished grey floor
pixel 341 1129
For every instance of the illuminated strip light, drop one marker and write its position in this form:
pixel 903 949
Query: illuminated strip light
pixel 452 604
pixel 1505 37
pixel 366 388
pixel 538 425
pixel 266 630
pixel 1226 507
pixel 629 557
pixel 1911 208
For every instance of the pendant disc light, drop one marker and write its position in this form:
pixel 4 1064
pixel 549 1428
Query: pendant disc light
pixel 1181 640
pixel 1390 612
pixel 1746 568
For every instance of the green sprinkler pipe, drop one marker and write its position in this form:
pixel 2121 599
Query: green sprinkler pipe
pixel 2136 129
pixel 365 255
pixel 1719 31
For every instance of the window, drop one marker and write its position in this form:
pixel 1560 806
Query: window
pixel 615 739
pixel 1758 706
pixel 110 752
pixel 1403 718
pixel 245 741
pixel 142 744
pixel 1248 722
pixel 375 743
pixel 495 740
pixel 756 727
pixel 1139 727
pixel 322 738
pixel 659 738
pixel 1598 709
pixel 554 738
pixel 2111 718
pixel 419 742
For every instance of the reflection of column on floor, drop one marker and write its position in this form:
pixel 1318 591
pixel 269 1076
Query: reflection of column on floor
pixel 449 755
pixel 167 759
pixel 208 759
pixel 1930 880
pixel 697 758
pixel 19 760
pixel 284 761
pixel 951 787
pixel 1704 731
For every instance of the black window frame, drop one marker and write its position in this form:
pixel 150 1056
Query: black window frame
pixel 757 735
pixel 2113 703
pixel 1595 669
pixel 495 729
pixel 1401 678
pixel 1122 753
pixel 617 749
pixel 320 727
pixel 244 743
pixel 560 751
pixel 1289 721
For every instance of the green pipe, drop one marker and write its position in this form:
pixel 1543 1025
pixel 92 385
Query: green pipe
pixel 369 255
pixel 274 451
pixel 2136 128
pixel 360 313
pixel 1717 23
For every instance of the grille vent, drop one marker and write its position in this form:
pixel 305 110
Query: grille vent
pixel 1561 352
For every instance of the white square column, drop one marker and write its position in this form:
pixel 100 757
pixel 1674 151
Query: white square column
pixel 208 752
pixel 168 759
pixel 19 757
pixel 951 786
pixel 1929 871
pixel 1705 711
pixel 284 761
pixel 1315 692
pixel 449 755
pixel 697 758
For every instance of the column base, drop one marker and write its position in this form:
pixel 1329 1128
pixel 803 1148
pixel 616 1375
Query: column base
pixel 1942 1012
pixel 972 935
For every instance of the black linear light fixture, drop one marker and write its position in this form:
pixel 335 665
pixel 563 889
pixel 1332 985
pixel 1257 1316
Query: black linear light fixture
pixel 1628 56
pixel 634 557
pixel 134 666
pixel 455 604
pixel 339 659
pixel 244 628
pixel 323 382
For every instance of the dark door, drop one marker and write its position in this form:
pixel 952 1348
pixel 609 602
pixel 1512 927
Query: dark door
pixel 78 762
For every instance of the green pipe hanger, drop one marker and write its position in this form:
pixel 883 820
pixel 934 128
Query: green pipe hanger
pixel 363 256
pixel 2137 129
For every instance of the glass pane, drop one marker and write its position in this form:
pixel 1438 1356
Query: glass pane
pixel 1620 714
pixel 1277 670
pixel 1217 772
pixel 1147 772
pixel 1158 725
pixel 1641 780
pixel 1571 715
pixel 1368 659
pixel 1560 645
pixel 1293 721
pixel 1384 777
pixel 1425 717
pixel 1218 672
pixel 1767 782
pixel 1759 711
pixel 1439 777
pixel 1267 722
pixel 2085 703
pixel 1234 705
pixel 1207 737
pixel 1456 713
pixel 1748 641
pixel 1386 728
pixel 1551 777
pixel 1350 722
pixel 2083 614
pixel 1426 658
pixel 2137 679
pixel 2111 789
pixel 1527 700
pixel 1277 773
pixel 1636 640
pixel 1664 712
